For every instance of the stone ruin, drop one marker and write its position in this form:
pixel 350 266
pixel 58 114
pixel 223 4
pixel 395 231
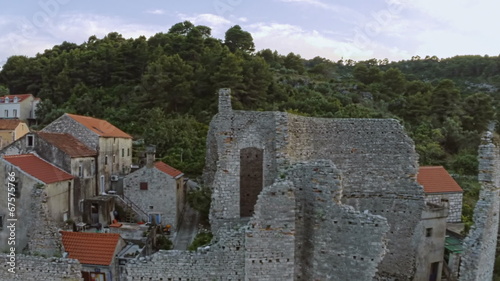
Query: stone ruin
pixel 300 198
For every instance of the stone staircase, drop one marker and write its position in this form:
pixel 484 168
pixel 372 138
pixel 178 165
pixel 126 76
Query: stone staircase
pixel 133 213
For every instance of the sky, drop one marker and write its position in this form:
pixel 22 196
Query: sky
pixel 340 29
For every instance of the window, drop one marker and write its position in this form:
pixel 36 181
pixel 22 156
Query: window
pixel 6 113
pixel 143 186
pixel 1 222
pixel 14 113
pixel 106 160
pixel 30 140
pixel 80 171
pixel 114 158
pixel 428 232
pixel 123 152
pixel 128 151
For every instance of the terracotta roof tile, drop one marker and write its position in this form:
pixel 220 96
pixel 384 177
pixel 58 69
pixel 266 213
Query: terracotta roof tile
pixel 67 143
pixel 11 98
pixel 9 124
pixel 90 248
pixel 435 179
pixel 101 127
pixel 168 169
pixel 38 168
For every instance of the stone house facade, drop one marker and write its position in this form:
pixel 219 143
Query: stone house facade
pixel 113 146
pixel 158 189
pixel 42 202
pixel 22 107
pixel 67 153
pixel 11 130
pixel 440 187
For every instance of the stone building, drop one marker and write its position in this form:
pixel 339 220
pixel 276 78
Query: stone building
pixel 113 146
pixel 299 198
pixel 42 204
pixel 157 189
pixel 22 107
pixel 97 253
pixel 11 130
pixel 440 187
pixel 67 153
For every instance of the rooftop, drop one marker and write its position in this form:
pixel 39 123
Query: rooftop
pixel 67 143
pixel 101 127
pixel 9 124
pixel 90 248
pixel 20 98
pixel 38 168
pixel 168 169
pixel 435 179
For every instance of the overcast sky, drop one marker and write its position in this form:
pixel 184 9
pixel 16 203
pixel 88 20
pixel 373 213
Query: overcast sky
pixel 349 29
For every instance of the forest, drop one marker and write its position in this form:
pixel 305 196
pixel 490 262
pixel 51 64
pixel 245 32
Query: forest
pixel 162 90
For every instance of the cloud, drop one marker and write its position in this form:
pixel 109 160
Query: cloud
pixel 217 23
pixel 156 12
pixel 347 14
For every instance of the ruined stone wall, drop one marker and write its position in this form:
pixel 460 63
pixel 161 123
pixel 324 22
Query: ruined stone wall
pixel 230 133
pixel 454 204
pixel 480 244
pixel 333 241
pixel 270 238
pixel 379 167
pixel 223 261
pixel 32 268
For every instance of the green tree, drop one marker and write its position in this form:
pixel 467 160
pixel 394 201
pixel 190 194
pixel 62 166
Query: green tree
pixel 238 39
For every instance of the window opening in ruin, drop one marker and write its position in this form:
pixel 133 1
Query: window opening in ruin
pixel 29 139
pixel 251 179
pixel 428 232
pixel 1 222
pixel 143 186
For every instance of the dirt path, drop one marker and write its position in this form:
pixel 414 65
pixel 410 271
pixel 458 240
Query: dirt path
pixel 187 230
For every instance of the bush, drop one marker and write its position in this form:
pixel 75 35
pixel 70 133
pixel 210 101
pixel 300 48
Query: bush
pixel 163 243
pixel 200 200
pixel 201 239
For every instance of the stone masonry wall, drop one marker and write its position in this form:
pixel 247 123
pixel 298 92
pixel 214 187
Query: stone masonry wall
pixel 66 124
pixel 379 167
pixel 333 241
pixel 161 193
pixel 270 238
pixel 31 268
pixel 478 257
pixel 454 203
pixel 223 261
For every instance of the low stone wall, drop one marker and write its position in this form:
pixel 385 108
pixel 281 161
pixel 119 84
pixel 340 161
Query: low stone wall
pixel 32 268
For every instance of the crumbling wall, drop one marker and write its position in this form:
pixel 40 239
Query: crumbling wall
pixel 480 244
pixel 31 268
pixel 333 241
pixel 223 261
pixel 454 204
pixel 379 167
pixel 270 238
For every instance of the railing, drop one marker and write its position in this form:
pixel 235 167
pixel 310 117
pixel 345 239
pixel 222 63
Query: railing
pixel 133 206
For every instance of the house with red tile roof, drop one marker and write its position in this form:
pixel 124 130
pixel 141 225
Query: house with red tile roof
pixel 113 146
pixel 11 130
pixel 40 201
pixel 158 189
pixel 96 252
pixel 440 187
pixel 67 153
pixel 22 107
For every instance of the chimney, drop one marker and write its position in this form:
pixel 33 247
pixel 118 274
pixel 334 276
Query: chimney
pixel 225 100
pixel 150 155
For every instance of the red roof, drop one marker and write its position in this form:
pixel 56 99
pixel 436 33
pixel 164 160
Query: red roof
pixel 168 169
pixel 38 168
pixel 101 127
pixel 435 179
pixel 19 97
pixel 9 124
pixel 67 143
pixel 90 248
